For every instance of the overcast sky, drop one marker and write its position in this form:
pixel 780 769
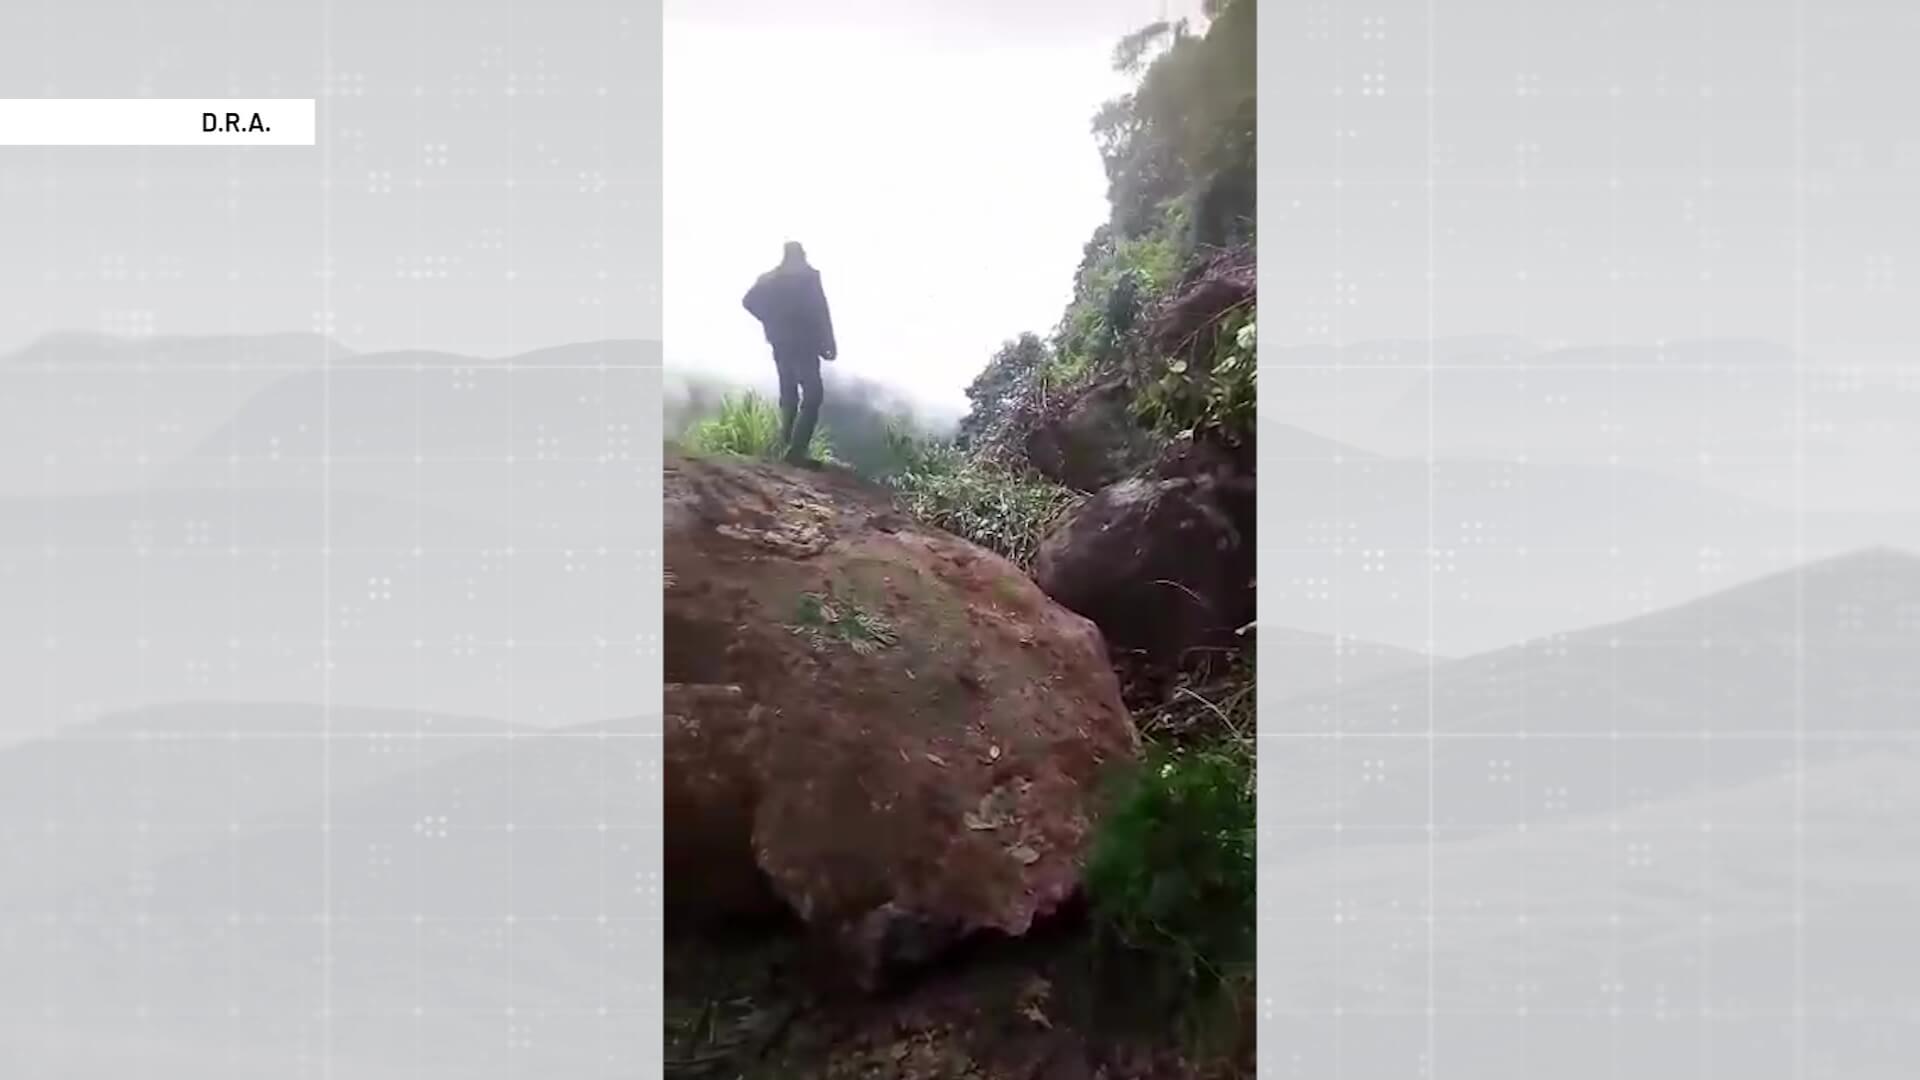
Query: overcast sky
pixel 938 165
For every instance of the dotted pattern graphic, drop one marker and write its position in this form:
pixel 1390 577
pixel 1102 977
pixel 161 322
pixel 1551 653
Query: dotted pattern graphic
pixel 1587 403
pixel 329 550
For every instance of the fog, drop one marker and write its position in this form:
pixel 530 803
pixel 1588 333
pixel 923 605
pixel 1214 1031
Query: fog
pixel 943 183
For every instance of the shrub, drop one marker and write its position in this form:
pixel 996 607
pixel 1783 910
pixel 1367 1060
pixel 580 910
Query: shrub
pixel 1118 277
pixel 1005 512
pixel 748 425
pixel 1190 114
pixel 1213 395
pixel 1171 875
pixel 1001 393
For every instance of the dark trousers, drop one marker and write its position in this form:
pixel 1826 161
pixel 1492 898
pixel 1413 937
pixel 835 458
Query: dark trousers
pixel 799 393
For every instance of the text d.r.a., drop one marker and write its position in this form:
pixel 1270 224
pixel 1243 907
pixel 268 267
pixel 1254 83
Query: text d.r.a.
pixel 213 122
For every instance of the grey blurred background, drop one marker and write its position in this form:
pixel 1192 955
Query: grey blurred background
pixel 328 489
pixel 1589 419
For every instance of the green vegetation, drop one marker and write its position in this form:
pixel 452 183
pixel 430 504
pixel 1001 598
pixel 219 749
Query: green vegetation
pixel 1180 163
pixel 1004 511
pixel 748 425
pixel 1214 396
pixel 1172 876
pixel 823 619
pixel 1119 277
pixel 858 413
pixel 1187 131
pixel 1009 379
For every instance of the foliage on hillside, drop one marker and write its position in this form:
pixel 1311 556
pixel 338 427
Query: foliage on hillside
pixel 1179 152
pixel 1163 300
pixel 1211 393
pixel 1003 510
pixel 1187 130
pixel 1172 873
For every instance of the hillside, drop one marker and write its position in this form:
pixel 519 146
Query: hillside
pixel 1681 703
pixel 188 771
pixel 1300 663
pixel 1654 834
pixel 462 861
pixel 85 413
pixel 1529 546
pixel 1730 415
pixel 190 594
pixel 1639 940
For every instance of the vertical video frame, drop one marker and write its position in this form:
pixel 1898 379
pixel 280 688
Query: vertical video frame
pixel 958 624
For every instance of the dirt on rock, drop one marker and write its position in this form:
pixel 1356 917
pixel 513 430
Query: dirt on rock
pixel 889 731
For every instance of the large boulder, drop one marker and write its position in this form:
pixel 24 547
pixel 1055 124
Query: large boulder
pixel 884 728
pixel 1162 564
pixel 1092 439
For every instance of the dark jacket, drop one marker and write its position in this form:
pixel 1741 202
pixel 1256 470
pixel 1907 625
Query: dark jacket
pixel 792 307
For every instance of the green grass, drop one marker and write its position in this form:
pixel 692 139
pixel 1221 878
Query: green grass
pixel 1171 875
pixel 1005 512
pixel 748 425
pixel 823 619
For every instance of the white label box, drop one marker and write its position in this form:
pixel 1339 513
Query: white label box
pixel 207 122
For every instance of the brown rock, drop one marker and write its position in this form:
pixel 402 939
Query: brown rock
pixel 1162 566
pixel 1092 439
pixel 708 794
pixel 897 690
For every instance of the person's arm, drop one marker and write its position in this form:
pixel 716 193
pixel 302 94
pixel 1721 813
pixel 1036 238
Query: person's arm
pixel 755 301
pixel 829 349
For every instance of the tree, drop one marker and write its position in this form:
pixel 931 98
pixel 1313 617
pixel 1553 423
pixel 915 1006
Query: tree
pixel 999 389
pixel 1190 120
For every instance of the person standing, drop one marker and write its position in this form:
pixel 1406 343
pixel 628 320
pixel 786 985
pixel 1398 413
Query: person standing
pixel 792 308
